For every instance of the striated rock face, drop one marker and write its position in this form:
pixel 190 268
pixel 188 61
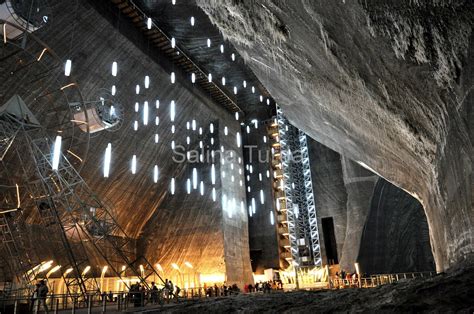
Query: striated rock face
pixel 375 223
pixel 359 184
pixel 385 85
pixel 395 238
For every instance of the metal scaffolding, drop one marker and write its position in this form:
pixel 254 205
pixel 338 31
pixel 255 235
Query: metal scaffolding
pixel 77 221
pixel 299 197
pixel 90 219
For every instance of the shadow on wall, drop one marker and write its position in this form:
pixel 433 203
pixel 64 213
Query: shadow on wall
pixel 395 237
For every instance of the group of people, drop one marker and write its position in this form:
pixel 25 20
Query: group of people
pixel 265 287
pixel 224 290
pixel 344 279
pixel 139 293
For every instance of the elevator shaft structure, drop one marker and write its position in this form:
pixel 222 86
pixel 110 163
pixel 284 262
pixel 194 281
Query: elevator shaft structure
pixel 299 197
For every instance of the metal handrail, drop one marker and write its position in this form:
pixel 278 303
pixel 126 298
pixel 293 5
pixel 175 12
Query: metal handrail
pixel 377 279
pixel 115 300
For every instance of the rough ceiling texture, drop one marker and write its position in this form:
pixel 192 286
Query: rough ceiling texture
pixel 389 90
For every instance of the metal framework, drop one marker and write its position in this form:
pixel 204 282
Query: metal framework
pixel 77 221
pixel 298 188
pixel 8 132
pixel 17 246
pixel 93 222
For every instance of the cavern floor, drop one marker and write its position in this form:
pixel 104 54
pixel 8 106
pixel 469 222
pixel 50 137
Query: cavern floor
pixel 442 294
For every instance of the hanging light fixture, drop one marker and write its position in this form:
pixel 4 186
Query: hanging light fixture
pixel 173 43
pixel 172 110
pixel 114 68
pixel 209 77
pixel 148 23
pixel 195 178
pixel 67 67
pixel 114 89
pixel 193 78
pixel 208 43
pixel 222 48
pixel 145 113
pixel 172 186
pixel 134 164
pixel 157 104
pixel 173 78
pixel 188 186
pixel 192 20
pixel 233 56
pixel 147 81
pixel 155 174
pixel 56 152
pixel 213 174
pixel 137 89
pixel 107 158
pixel 239 140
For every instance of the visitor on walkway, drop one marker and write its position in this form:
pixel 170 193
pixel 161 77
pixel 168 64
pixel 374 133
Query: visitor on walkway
pixel 166 290
pixel 154 293
pixel 34 298
pixel 42 294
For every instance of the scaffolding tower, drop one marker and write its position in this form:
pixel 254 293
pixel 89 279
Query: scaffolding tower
pixel 298 194
pixel 77 221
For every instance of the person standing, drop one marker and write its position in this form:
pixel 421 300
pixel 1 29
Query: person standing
pixel 34 298
pixel 42 294
pixel 154 293
pixel 171 289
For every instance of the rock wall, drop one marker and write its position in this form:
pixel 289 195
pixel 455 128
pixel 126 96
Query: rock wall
pixel 375 223
pixel 330 193
pixel 340 80
pixel 395 238
pixel 359 183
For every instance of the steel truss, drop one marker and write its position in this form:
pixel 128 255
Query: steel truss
pixel 77 221
pixel 17 246
pixel 8 132
pixel 298 188
pixel 93 221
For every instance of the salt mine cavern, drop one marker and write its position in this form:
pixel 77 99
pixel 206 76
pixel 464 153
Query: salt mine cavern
pixel 236 156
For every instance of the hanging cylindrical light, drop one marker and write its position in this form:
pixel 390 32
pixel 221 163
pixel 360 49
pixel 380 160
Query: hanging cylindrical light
pixel 107 159
pixel 56 152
